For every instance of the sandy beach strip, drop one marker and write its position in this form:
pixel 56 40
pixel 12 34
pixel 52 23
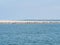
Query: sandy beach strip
pixel 28 22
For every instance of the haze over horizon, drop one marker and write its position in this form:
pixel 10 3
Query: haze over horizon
pixel 29 9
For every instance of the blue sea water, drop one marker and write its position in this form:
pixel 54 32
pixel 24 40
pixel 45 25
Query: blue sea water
pixel 29 34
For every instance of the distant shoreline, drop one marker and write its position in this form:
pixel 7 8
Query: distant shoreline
pixel 28 22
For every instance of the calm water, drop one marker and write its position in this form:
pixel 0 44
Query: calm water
pixel 29 34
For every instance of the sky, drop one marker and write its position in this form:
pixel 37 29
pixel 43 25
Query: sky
pixel 29 9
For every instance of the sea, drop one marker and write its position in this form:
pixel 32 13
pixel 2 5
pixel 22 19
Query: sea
pixel 29 34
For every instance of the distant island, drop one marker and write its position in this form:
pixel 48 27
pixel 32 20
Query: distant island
pixel 29 21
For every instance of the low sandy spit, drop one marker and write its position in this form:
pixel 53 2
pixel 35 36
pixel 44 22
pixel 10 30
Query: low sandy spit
pixel 28 22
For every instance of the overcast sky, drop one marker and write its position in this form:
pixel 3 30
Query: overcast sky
pixel 29 9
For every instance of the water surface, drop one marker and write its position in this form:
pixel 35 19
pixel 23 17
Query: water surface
pixel 29 34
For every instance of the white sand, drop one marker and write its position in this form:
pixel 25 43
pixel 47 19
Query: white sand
pixel 27 22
